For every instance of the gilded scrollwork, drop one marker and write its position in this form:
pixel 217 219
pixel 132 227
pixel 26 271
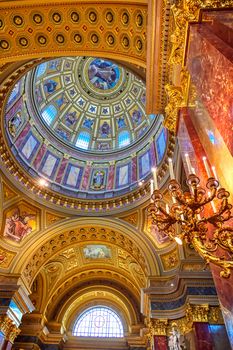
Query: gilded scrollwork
pixel 8 328
pixel 183 12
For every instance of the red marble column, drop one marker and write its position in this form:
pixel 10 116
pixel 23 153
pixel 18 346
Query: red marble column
pixel 210 64
pixel 160 342
pixel 190 142
pixel 203 338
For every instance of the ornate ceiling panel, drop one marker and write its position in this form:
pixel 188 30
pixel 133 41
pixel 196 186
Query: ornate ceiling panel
pixel 50 112
pixel 67 28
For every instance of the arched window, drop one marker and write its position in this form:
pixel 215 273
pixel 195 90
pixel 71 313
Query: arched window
pixel 41 69
pixel 14 93
pixel 123 138
pixel 83 140
pixel 49 113
pixel 99 321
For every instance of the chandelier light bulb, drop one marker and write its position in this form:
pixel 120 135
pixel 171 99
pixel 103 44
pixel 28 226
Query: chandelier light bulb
pixel 178 240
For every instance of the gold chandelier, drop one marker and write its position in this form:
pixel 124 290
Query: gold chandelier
pixel 196 216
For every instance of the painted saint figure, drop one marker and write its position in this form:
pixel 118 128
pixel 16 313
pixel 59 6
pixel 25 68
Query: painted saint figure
pixel 105 129
pixel 14 124
pixel 50 86
pixel 70 118
pixel 103 74
pixel 98 180
pixel 17 226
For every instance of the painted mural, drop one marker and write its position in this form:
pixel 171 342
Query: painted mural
pixel 103 74
pixel 94 251
pixel 98 179
pixel 20 221
pixel 77 122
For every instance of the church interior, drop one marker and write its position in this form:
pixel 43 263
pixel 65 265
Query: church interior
pixel 116 174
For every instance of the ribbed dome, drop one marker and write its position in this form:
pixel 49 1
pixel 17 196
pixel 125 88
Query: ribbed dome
pixel 91 103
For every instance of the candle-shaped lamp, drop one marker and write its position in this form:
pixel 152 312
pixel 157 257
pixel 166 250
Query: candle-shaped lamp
pixel 154 172
pixel 187 159
pixel 206 167
pixel 171 171
pixel 151 189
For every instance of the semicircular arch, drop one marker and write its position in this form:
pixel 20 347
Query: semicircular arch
pixel 46 244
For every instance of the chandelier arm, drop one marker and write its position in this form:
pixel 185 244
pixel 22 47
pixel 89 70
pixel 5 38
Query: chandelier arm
pixel 209 199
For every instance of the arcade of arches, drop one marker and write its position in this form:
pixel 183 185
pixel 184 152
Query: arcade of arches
pixel 92 97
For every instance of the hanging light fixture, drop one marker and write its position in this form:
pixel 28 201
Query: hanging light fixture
pixel 197 216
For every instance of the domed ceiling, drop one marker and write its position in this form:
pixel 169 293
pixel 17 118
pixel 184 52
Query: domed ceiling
pixel 80 124
pixel 91 103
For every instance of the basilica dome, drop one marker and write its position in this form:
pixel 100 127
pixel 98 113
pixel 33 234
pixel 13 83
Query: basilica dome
pixel 79 123
pixel 91 103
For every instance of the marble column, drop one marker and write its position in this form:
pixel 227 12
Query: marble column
pixel 205 126
pixel 160 342
pixel 203 338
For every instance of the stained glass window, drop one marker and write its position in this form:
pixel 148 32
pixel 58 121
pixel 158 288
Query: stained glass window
pixel 41 69
pixel 124 138
pixel 99 321
pixel 49 113
pixel 83 140
pixel 161 144
pixel 14 93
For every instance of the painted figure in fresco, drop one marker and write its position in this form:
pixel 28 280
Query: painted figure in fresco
pixel 70 118
pixel 14 124
pixel 143 98
pixel 103 146
pixel 137 116
pixel 17 226
pixel 160 236
pixel 105 129
pixel 174 340
pixel 88 122
pixel 63 134
pixel 121 122
pixel 61 101
pixel 103 74
pixel 50 86
pixel 97 252
pixel 98 180
pixel 55 65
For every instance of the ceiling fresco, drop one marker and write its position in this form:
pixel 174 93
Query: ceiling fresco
pixel 80 125
pixel 91 103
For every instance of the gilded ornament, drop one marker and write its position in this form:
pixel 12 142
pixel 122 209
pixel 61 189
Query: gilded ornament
pixel 170 260
pixel 139 45
pixel 175 101
pixel 6 258
pixel 139 20
pixel 37 18
pixel 94 38
pixel 42 40
pixel 18 20
pixel 92 16
pixel 125 18
pixel 125 41
pixel 159 326
pixel 78 38
pixel 74 16
pixel 109 17
pixel 110 39
pixel 60 38
pixel 1 23
pixel 56 17
pixel 4 44
pixel 23 41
